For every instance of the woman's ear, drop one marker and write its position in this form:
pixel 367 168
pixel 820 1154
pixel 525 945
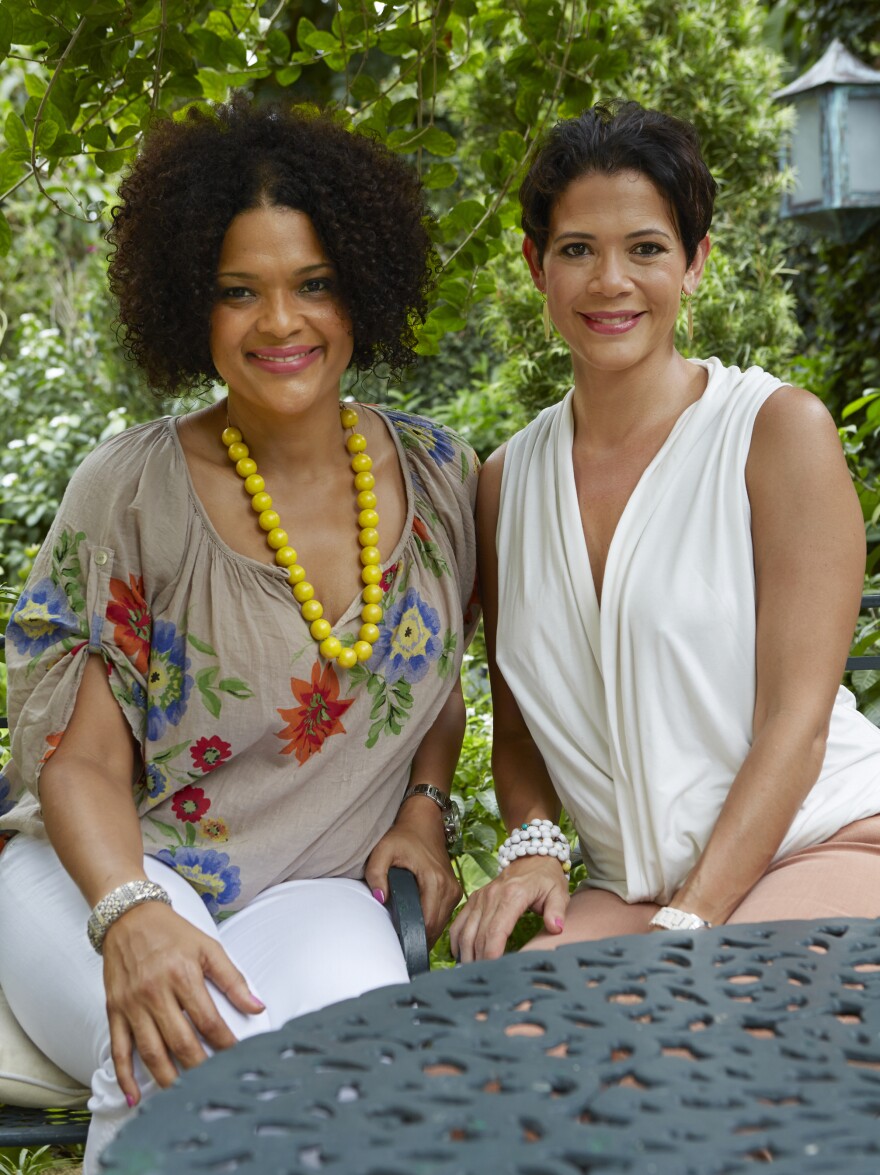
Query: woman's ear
pixel 694 273
pixel 533 258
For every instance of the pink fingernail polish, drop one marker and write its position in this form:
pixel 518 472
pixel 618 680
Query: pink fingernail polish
pixel 379 896
pixel 130 1100
pixel 560 923
pixel 258 1002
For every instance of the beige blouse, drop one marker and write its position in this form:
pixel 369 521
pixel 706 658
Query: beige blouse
pixel 262 761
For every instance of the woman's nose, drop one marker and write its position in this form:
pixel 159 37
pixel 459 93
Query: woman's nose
pixel 609 274
pixel 280 315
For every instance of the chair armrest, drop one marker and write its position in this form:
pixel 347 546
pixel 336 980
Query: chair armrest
pixel 405 909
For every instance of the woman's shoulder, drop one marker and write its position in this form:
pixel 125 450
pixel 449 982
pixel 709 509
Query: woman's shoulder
pixel 427 440
pixel 126 455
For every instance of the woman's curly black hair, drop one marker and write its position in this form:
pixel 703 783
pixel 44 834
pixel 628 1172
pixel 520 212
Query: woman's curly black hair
pixel 190 180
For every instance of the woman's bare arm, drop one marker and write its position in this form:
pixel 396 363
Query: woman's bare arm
pixel 155 962
pixel 809 545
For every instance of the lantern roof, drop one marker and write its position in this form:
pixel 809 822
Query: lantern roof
pixel 836 66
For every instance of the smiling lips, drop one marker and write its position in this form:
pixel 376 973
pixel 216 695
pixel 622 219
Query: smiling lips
pixel 607 322
pixel 283 360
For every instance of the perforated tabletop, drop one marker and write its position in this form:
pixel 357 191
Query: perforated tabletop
pixel 665 1054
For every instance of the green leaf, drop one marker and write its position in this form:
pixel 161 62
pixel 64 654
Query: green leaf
pixel 5 32
pixel 440 175
pixel 202 646
pixel 211 700
pixel 46 135
pixel 236 687
pixel 205 677
pixel 288 75
pixel 438 142
pixel 11 171
pixel 304 30
pixel 5 235
pixel 16 135
pixel 169 753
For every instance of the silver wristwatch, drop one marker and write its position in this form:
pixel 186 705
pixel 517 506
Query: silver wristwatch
pixel 668 918
pixel 451 819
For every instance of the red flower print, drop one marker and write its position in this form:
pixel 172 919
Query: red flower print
pixel 388 575
pixel 190 804
pixel 318 715
pixel 129 613
pixel 421 530
pixel 208 753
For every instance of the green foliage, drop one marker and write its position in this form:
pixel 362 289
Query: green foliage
pixel 838 297
pixel 41 1161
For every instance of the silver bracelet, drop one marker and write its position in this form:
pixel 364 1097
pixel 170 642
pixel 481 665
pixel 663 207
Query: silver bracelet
pixel 540 838
pixel 118 902
pixel 670 918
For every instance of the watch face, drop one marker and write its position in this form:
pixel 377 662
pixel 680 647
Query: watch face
pixel 452 823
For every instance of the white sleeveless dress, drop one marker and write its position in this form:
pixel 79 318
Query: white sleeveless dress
pixel 643 709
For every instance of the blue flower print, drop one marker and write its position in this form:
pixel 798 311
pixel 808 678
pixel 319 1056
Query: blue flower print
pixel 6 804
pixel 168 683
pixel 208 872
pixel 419 432
pixel 41 617
pixel 409 639
pixel 158 783
pixel 139 696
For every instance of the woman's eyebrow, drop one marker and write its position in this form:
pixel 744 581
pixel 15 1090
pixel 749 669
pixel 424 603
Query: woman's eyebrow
pixel 296 273
pixel 640 232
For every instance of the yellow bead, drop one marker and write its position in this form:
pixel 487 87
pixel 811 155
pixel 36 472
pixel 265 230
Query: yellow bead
pixel 361 463
pixel 245 467
pixel 269 519
pixel 330 647
pixel 312 610
pixel 364 481
pixel 230 436
pixel 296 574
pixel 363 650
pixel 356 443
pixel 371 613
pixel 237 450
pixel 320 629
pixel 254 483
pixel 347 658
pixel 372 573
pixel 285 556
pixel 303 590
pixel 261 501
pixel 370 555
pixel 277 538
pixel 368 633
pixel 349 417
pixel 372 594
pixel 366 500
pixel 368 518
pixel 368 537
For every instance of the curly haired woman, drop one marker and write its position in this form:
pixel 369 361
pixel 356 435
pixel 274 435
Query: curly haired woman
pixel 238 651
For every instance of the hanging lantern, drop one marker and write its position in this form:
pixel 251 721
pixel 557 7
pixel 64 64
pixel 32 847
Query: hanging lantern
pixel 835 145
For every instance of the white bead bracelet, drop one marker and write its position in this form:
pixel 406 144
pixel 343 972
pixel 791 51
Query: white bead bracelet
pixel 540 838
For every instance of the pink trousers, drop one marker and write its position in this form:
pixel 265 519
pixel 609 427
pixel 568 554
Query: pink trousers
pixel 839 878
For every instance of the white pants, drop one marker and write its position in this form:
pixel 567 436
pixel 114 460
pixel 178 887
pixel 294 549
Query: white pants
pixel 301 945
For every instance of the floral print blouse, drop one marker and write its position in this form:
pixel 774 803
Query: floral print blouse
pixel 262 762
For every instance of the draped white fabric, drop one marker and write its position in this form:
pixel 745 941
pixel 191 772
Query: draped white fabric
pixel 643 709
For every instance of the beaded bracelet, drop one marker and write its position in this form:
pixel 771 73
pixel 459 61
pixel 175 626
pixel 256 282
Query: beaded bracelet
pixel 540 838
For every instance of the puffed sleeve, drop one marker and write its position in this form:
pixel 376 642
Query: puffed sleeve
pixel 85 595
pixel 444 470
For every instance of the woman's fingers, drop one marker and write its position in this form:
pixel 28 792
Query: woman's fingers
pixel 219 968
pixel 121 1051
pixel 483 927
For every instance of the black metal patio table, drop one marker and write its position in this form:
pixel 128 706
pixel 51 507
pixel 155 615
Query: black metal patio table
pixel 662 1054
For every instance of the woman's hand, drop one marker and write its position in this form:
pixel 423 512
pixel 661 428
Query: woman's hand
pixel 483 927
pixel 416 841
pixel 155 967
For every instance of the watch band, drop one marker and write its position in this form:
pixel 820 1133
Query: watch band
pixel 451 823
pixel 669 918
pixel 118 902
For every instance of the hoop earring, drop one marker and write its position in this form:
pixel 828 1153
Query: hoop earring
pixel 548 325
pixel 688 301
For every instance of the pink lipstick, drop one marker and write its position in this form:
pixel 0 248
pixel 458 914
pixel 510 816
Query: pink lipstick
pixel 612 322
pixel 284 360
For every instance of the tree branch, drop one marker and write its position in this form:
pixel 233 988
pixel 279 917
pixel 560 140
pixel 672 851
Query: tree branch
pixel 160 50
pixel 38 119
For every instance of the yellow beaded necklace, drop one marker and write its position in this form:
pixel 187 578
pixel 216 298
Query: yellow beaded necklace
pixel 285 556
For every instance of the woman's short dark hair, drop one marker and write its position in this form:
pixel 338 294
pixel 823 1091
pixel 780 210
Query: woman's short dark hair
pixel 194 176
pixel 622 136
